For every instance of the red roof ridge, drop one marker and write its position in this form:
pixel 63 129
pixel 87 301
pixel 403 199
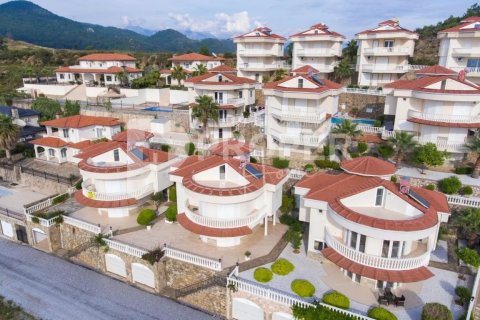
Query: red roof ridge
pixel 368 166
pixel 194 57
pixel 81 121
pixel 107 57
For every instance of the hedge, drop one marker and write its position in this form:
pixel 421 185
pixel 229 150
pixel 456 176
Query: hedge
pixel 263 275
pixel 253 160
pixel 287 219
pixel 466 191
pixel 436 311
pixel 280 163
pixel 172 193
pixel 308 167
pixel 336 299
pixel 190 148
pixel 324 164
pixel 282 267
pixel 380 313
pixel 146 216
pixel 450 185
pixel 463 294
pixel 430 187
pixel 171 213
pixel 303 288
pixel 464 170
pixel 165 147
pixel 362 147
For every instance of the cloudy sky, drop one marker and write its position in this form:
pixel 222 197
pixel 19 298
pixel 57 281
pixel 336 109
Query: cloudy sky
pixel 225 18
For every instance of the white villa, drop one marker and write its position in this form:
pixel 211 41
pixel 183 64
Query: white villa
pixel 99 69
pixel 460 48
pixel 298 111
pixel 438 106
pixel 118 176
pixel 317 47
pixel 233 94
pixel 383 53
pixel 259 53
pixel 222 197
pixel 66 136
pixel 189 61
pixel 378 232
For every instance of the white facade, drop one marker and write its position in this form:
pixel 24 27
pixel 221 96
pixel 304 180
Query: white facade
pixel 383 53
pixel 317 47
pixel 298 114
pixel 259 53
pixel 460 48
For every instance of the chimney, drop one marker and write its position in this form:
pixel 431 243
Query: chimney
pixel 14 112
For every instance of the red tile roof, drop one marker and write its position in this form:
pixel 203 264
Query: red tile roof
pixel 265 32
pixel 327 85
pixel 230 148
pixel 81 121
pixel 402 276
pixel 51 142
pixel 318 26
pixel 435 70
pixel 211 232
pixel 80 198
pixel 465 22
pixel 421 84
pixel 195 164
pixel 110 70
pixel 195 57
pixel 391 23
pixel 133 135
pixel 369 138
pixel 443 124
pixel 223 69
pixel 233 79
pixel 107 57
pixel 305 70
pixel 368 166
pixel 333 188
pixel 81 145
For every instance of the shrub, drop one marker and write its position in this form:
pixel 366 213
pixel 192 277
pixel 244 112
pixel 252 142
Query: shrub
pixel 308 167
pixel 165 147
pixel 336 299
pixel 377 123
pixel 190 148
pixel 385 151
pixel 246 114
pixel 236 134
pixel 303 288
pixel 466 191
pixel 287 219
pixel 60 199
pixel 282 267
pixel 463 294
pixel 469 256
pixel 324 164
pixel 253 160
pixel 380 313
pixel 146 216
pixel 354 154
pixel 436 311
pixel 295 238
pixel 464 170
pixel 327 150
pixel 153 256
pixel 171 213
pixel 172 193
pixel 394 179
pixel 450 185
pixel 430 187
pixel 318 311
pixel 362 147
pixel 280 163
pixel 263 275
pixel 288 203
pixel 35 220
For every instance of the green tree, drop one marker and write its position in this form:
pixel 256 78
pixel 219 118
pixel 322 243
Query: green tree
pixel 205 51
pixel 428 155
pixel 178 74
pixel 122 76
pixel 48 108
pixel 279 74
pixel 342 71
pixel 469 256
pixel 350 51
pixel 204 110
pixel 9 134
pixel 474 147
pixel 468 220
pixel 288 204
pixel 348 129
pixel 403 143
pixel 71 108
pixel 200 69
pixel 290 53
pixel 157 199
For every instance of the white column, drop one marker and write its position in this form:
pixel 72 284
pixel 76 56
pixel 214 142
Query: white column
pixel 275 217
pixel 266 225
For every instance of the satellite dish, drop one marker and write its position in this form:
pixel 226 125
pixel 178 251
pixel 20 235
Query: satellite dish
pixel 19 122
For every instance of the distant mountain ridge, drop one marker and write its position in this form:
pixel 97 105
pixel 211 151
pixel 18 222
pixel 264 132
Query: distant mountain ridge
pixel 26 21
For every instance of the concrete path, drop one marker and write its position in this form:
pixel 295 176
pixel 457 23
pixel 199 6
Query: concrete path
pixel 435 175
pixel 52 288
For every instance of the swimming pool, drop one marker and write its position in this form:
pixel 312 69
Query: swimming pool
pixel 159 109
pixel 369 122
pixel 4 192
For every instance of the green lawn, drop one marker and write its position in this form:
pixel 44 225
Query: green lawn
pixel 10 311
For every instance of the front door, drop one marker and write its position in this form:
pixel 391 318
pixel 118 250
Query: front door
pixel 220 133
pixel 22 234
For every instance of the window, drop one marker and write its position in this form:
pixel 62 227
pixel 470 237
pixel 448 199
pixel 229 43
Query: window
pixel 385 248
pixel 99 132
pixel 63 153
pixel 65 133
pixel 218 97
pixel 388 43
pixel 240 94
pixel 395 249
pixel 109 78
pixel 220 133
pixel 257 77
pixel 62 76
pixel 473 63
pixel 353 239
pixel 319 245
pixel 251 93
pixel 379 199
pixel 222 114
pixel 363 240
pixel 116 155
pixel 51 152
pixel 222 172
pixel 300 83
pixel 220 78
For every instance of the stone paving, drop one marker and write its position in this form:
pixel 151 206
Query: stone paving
pixel 435 175
pixel 15 197
pixel 441 252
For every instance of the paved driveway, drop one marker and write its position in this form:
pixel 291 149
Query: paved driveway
pixel 52 288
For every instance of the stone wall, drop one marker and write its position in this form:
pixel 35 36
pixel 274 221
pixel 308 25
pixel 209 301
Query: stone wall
pixel 213 299
pixel 181 274
pixel 360 101
pixel 268 306
pixel 36 183
pixel 53 242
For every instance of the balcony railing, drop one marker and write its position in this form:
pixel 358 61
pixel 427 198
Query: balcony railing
pixel 391 68
pixel 444 117
pixel 260 53
pixel 389 51
pixel 115 196
pixel 251 220
pixel 284 115
pixel 320 52
pixel 263 66
pixel 308 140
pixel 447 145
pixel 376 261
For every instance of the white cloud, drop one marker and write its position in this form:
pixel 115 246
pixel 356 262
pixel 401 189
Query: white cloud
pixel 223 24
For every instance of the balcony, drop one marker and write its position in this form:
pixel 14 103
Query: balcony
pixel 260 53
pixel 309 140
pixel 388 51
pixel 444 117
pixel 406 263
pixel 250 221
pixel 385 68
pixel 285 115
pixel 88 190
pixel 262 66
pixel 466 52
pixel 317 52
pixel 237 102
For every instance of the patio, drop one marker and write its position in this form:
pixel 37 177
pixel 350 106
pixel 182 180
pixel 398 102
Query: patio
pixel 176 236
pixel 15 197
pixel 92 216
pixel 326 276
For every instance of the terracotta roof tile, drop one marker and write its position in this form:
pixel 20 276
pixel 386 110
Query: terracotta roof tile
pixel 81 121
pixel 444 124
pixel 421 84
pixel 435 70
pixel 368 166
pixel 305 70
pixel 265 32
pixel 111 70
pixel 50 142
pixel 223 69
pixel 230 148
pixel 394 24
pixel 107 57
pixel 233 79
pixel 319 26
pixel 212 232
pixel 133 135
pixel 80 198
pixel 463 23
pixel 81 145
pixel 195 57
pixel 327 85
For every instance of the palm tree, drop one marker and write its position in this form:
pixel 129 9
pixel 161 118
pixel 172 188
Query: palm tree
pixel 474 146
pixel 347 128
pixel 200 69
pixel 402 142
pixel 469 222
pixel 342 70
pixel 9 134
pixel 350 51
pixel 205 109
pixel 122 76
pixel 178 74
pixel 279 74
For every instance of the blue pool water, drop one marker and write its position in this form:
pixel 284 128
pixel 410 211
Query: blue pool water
pixel 159 109
pixel 4 192
pixel 370 122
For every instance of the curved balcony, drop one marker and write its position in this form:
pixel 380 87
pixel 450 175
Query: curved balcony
pixel 448 118
pixel 88 190
pixel 376 261
pixel 250 221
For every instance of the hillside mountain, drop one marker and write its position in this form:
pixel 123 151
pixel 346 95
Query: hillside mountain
pixel 26 21
pixel 141 30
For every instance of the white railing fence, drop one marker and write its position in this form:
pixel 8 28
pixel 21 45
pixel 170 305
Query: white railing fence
pixel 473 301
pixel 125 248
pixel 370 129
pixel 463 201
pixel 103 196
pixel 82 225
pixel 193 259
pixel 371 92
pixel 251 220
pixel 48 202
pixel 296 174
pixel 444 117
pixel 43 222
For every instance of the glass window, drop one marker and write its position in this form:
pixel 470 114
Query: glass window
pixel 251 93
pixel 222 172
pixel 473 63
pixel 51 152
pixel 379 199
pixel 363 240
pixel 109 78
pixel 65 133
pixel 62 76
pixel 388 43
pixel 300 83
pixel 379 284
pixel 63 153
pixel 353 239
pixel 240 94
pixel 385 248
pixel 116 155
pixel 319 245
pixel 395 249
